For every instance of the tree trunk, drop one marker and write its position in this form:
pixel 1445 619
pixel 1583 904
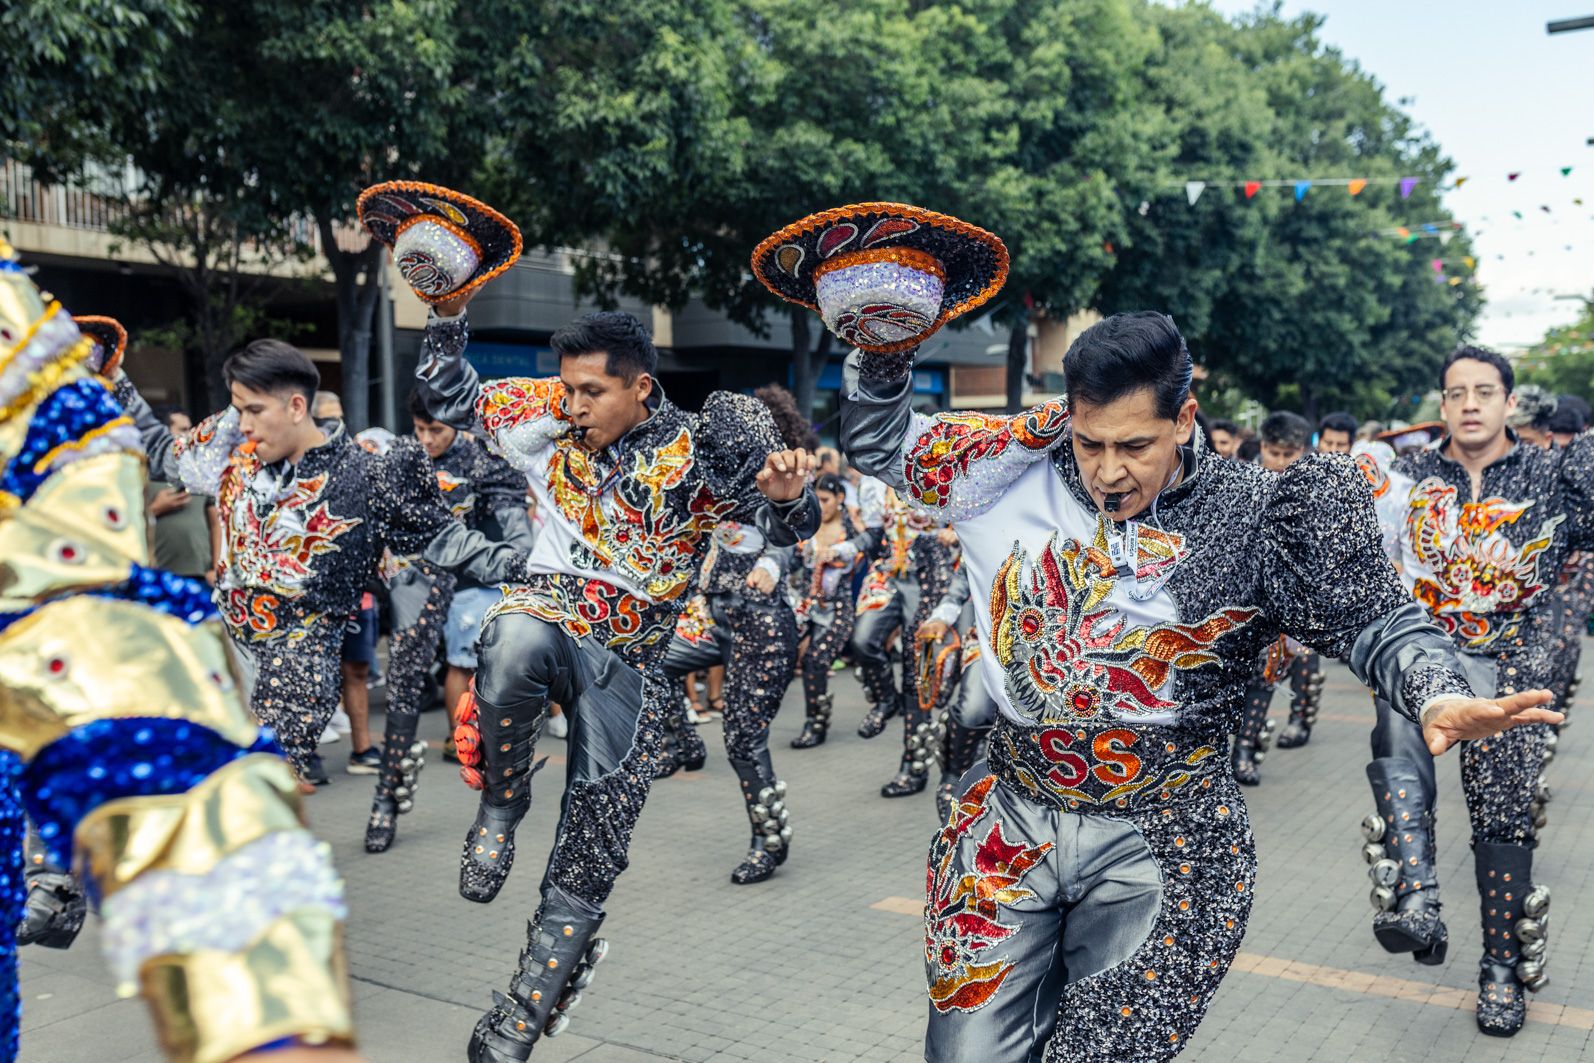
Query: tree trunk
pixel 808 360
pixel 1309 406
pixel 354 277
pixel 1017 362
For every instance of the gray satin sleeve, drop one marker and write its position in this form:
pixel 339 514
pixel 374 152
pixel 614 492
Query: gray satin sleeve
pixel 449 384
pixel 1405 658
pixel 517 528
pixel 469 553
pixel 958 591
pixel 781 556
pixel 783 523
pixel 156 437
pixel 874 421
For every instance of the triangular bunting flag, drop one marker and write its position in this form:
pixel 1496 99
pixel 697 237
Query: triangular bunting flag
pixel 1445 238
pixel 1470 261
pixel 1356 185
pixel 1252 188
pixel 1566 171
pixel 1454 281
pixel 1438 265
pixel 1513 176
pixel 1193 190
pixel 1300 190
pixel 1545 209
pixel 1406 185
pixel 1403 231
pixel 1461 181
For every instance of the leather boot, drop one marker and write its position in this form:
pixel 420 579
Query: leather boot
pixel 562 948
pixel 817 724
pixel 1515 934
pixel 500 740
pixel 1306 698
pixel 765 797
pixel 403 757
pixel 54 908
pixel 1399 849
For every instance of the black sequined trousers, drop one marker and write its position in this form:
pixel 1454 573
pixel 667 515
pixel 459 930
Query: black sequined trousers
pixel 412 648
pixel 616 709
pixel 756 640
pixel 1114 942
pixel 297 681
pixel 826 642
pixel 871 639
pixel 1499 777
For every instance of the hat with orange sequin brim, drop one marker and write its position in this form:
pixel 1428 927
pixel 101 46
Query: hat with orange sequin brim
pixel 883 276
pixel 110 342
pixel 444 242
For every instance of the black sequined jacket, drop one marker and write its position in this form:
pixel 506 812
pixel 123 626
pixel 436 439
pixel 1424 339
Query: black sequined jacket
pixel 1486 567
pixel 300 542
pixel 1153 623
pixel 627 527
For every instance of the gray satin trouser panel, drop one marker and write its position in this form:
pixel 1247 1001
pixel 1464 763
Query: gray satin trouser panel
pixel 525 658
pixel 1094 901
pixel 1396 736
pixel 408 592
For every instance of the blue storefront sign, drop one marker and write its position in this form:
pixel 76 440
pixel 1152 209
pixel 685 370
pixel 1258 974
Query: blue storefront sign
pixel 495 360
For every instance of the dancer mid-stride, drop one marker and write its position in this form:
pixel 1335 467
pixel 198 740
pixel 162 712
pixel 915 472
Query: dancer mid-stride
pixel 1091 885
pixel 633 488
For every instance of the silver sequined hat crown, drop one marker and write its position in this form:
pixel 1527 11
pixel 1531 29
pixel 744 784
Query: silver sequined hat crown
pixel 444 242
pixel 884 276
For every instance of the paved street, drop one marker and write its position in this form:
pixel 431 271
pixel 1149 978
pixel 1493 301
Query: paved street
pixel 823 962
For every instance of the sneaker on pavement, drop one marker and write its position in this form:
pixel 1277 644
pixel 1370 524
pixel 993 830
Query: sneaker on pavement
pixel 315 772
pixel 366 763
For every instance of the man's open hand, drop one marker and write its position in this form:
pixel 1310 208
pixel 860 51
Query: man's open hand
pixel 1462 719
pixel 785 474
pixel 932 631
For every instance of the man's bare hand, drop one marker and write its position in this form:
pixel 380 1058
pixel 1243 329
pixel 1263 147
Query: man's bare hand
pixel 932 631
pixel 761 581
pixel 1465 719
pixel 168 500
pixel 785 474
pixel 451 306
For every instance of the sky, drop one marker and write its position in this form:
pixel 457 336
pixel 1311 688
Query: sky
pixel 1499 95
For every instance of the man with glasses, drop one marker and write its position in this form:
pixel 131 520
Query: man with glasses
pixel 1487 524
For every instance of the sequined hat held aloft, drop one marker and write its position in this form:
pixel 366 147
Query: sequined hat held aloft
pixel 444 242
pixel 884 276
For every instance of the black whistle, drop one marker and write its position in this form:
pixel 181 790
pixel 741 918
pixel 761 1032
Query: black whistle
pixel 1112 502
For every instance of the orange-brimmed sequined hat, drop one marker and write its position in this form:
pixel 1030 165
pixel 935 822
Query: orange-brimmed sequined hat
pixel 444 242
pixel 111 338
pixel 884 276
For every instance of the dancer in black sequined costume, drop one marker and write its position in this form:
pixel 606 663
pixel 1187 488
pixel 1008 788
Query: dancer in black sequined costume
pixel 971 713
pixel 820 588
pixel 632 487
pixel 1125 584
pixel 488 494
pixel 902 586
pixel 305 512
pixel 1478 501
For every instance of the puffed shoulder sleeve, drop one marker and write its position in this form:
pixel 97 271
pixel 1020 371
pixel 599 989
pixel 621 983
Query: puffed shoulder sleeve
pixel 951 465
pixel 735 434
pixel 405 498
pixel 1327 581
pixel 1577 489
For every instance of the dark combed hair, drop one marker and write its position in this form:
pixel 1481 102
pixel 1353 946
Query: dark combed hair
pixel 1508 376
pixel 1281 428
pixel 1576 405
pixel 1223 424
pixel 830 482
pixel 1338 421
pixel 794 429
pixel 1126 353
pixel 272 366
pixel 1249 449
pixel 417 406
pixel 614 333
pixel 1566 418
